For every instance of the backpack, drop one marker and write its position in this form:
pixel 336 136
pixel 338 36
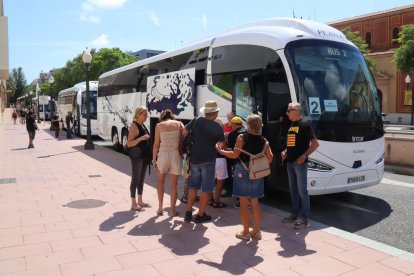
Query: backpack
pixel 258 165
pixel 188 141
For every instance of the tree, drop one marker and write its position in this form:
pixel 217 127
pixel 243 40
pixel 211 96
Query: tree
pixel 404 55
pixel 104 60
pixel 355 38
pixel 18 81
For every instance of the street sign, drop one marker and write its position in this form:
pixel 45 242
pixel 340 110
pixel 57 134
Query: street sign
pixel 43 100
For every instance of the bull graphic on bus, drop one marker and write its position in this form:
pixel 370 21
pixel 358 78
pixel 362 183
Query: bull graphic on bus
pixel 171 91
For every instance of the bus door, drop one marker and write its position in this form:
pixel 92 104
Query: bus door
pixel 275 122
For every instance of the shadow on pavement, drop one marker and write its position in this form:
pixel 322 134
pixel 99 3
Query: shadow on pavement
pixel 20 148
pixel 347 211
pixel 117 220
pixel 237 258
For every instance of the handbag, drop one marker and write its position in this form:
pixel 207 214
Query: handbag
pixel 258 165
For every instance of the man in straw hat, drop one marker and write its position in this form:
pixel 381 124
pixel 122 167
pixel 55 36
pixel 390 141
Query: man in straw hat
pixel 205 134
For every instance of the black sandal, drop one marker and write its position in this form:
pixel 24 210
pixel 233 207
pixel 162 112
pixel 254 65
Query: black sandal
pixel 218 205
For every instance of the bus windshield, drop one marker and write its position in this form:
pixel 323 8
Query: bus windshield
pixel 336 90
pixel 92 104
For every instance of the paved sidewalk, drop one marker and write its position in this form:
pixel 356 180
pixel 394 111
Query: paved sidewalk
pixel 41 234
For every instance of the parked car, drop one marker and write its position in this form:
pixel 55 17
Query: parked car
pixel 385 119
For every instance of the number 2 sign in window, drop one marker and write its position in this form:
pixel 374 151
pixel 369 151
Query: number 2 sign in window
pixel 314 106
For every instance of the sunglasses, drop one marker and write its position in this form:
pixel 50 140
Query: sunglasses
pixel 289 110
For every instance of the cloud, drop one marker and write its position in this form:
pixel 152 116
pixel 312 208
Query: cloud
pixel 204 21
pixel 154 17
pixel 100 41
pixel 91 18
pixel 107 4
pixel 87 7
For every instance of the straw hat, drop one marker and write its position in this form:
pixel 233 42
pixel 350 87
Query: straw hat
pixel 209 107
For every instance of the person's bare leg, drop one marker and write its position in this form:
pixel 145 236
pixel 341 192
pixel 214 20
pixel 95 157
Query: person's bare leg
pixel 192 193
pixel 256 213
pixel 244 214
pixel 134 204
pixel 218 189
pixel 173 193
pixel 160 191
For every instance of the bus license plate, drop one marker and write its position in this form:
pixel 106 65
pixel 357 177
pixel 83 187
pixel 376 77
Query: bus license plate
pixel 356 179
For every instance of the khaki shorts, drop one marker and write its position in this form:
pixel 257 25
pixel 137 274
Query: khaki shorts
pixel 170 162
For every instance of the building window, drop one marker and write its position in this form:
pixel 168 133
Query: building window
pixel 368 39
pixel 395 34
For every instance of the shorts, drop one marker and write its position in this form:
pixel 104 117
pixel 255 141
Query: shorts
pixel 243 186
pixel 201 176
pixel 221 169
pixel 169 162
pixel 32 134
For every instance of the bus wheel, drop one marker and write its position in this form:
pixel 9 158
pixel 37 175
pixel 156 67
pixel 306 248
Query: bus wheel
pixel 115 140
pixel 125 141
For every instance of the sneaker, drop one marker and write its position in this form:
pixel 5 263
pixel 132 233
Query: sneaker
pixel 203 218
pixel 290 219
pixel 237 205
pixel 188 216
pixel 301 224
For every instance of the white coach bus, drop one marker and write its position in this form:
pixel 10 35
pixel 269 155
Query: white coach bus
pixel 74 100
pixel 260 68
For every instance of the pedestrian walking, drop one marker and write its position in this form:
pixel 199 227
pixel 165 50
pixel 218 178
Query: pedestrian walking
pixel 14 116
pixel 56 124
pixel 206 133
pixel 139 144
pixel 167 158
pixel 248 190
pixel 31 128
pixel 301 142
pixel 69 122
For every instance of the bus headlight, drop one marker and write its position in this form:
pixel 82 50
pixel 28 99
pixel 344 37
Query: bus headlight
pixel 380 160
pixel 319 166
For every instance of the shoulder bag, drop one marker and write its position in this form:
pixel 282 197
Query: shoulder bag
pixel 258 165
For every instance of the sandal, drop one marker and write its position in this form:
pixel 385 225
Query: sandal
pixel 242 236
pixel 184 200
pixel 144 205
pixel 160 212
pixel 174 214
pixel 257 236
pixel 137 209
pixel 218 204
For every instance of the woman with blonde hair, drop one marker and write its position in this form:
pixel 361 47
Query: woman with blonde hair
pixel 248 190
pixel 138 137
pixel 167 158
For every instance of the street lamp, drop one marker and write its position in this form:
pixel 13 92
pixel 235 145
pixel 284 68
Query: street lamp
pixel 51 107
pixel 38 102
pixel 408 81
pixel 51 81
pixel 87 58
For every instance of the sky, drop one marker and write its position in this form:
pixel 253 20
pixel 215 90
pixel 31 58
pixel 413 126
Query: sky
pixel 45 34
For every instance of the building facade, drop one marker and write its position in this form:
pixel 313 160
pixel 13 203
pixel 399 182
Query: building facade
pixel 4 60
pixel 146 53
pixel 379 30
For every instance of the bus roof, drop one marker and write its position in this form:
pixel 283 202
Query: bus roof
pixel 272 33
pixel 80 87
